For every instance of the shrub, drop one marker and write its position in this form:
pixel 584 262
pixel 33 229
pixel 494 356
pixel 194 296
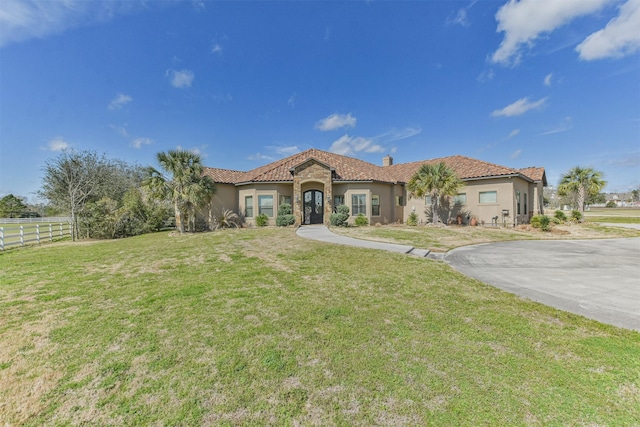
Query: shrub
pixel 560 216
pixel 543 222
pixel 576 215
pixel 285 216
pixel 285 220
pixel 341 218
pixel 610 204
pixel 262 220
pixel 226 218
pixel 361 220
pixel 412 219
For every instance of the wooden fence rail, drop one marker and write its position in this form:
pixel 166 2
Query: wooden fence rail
pixel 33 233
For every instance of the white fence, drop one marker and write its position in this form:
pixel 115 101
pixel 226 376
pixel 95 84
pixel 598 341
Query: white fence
pixel 36 233
pixel 39 220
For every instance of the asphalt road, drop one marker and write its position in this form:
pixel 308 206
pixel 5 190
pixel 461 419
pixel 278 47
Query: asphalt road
pixel 599 279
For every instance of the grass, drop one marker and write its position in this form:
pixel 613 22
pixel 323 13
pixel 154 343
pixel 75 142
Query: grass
pixel 260 327
pixel 442 239
pixel 614 215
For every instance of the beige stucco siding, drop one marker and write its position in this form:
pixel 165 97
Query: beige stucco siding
pixel 275 190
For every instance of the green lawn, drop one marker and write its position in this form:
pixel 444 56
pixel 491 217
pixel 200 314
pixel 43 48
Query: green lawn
pixel 613 215
pixel 260 327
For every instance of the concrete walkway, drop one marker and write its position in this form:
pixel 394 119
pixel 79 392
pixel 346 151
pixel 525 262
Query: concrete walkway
pixel 322 234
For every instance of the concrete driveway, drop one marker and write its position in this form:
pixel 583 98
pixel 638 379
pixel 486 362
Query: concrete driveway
pixel 599 279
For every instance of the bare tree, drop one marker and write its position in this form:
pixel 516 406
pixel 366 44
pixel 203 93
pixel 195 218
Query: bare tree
pixel 73 179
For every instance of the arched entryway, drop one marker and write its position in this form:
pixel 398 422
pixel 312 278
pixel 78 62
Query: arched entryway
pixel 313 208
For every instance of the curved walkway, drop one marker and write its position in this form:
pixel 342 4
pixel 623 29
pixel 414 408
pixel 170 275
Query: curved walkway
pixel 323 234
pixel 599 279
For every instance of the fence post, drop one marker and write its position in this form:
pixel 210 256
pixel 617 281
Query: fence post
pixel 50 233
pixel 61 235
pixel 38 233
pixel 2 238
pixel 22 235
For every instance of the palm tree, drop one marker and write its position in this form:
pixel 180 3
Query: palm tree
pixel 435 180
pixel 581 182
pixel 186 186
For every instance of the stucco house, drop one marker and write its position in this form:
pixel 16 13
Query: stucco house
pixel 315 182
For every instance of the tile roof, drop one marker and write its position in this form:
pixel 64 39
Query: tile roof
pixel 535 173
pixel 223 176
pixel 351 169
pixel 465 167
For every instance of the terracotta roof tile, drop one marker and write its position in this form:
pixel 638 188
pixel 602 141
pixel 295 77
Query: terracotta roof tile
pixel 351 169
pixel 535 173
pixel 223 176
pixel 465 168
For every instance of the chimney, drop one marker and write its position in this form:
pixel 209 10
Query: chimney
pixel 387 160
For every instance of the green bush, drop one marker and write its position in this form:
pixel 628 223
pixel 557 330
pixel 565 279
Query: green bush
pixel 285 216
pixel 560 215
pixel 543 222
pixel 341 217
pixel 285 220
pixel 412 219
pixel 262 220
pixel 576 215
pixel 610 204
pixel 361 220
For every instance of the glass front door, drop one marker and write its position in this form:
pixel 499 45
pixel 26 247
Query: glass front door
pixel 313 207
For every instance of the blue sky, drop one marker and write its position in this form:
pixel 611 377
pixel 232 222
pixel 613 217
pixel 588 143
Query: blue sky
pixel 519 83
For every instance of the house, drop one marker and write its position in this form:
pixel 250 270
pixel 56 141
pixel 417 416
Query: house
pixel 315 182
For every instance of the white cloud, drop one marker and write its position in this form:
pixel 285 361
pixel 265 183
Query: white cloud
pixel 180 79
pixel 284 151
pixel 261 157
pixel 139 142
pixel 119 101
pixel 336 121
pixel 349 145
pixel 486 76
pixel 547 79
pixel 461 16
pixel 291 102
pixel 216 49
pixel 513 133
pixel 524 21
pixel 27 19
pixel 515 154
pixel 57 144
pixel 565 125
pixel 519 107
pixel 397 135
pixel 121 130
pixel 620 37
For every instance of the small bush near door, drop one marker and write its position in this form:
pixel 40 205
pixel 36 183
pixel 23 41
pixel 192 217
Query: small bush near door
pixel 285 217
pixel 341 218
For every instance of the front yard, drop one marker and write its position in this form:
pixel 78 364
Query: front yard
pixel 261 327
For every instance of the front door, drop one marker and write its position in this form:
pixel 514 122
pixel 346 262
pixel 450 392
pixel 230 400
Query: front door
pixel 313 207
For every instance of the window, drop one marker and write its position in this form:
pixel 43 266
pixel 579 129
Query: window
pixel 338 201
pixel 428 201
pixel 518 201
pixel 488 197
pixel 248 206
pixel 285 199
pixel 358 204
pixel 375 205
pixel 399 200
pixel 525 203
pixel 265 205
pixel 460 199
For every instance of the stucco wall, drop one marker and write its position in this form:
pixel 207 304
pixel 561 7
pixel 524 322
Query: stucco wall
pixel 505 189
